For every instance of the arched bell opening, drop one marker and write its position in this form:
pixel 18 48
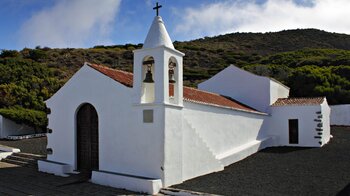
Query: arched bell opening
pixel 147 94
pixel 173 78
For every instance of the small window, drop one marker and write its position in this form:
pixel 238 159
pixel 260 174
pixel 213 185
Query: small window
pixel 148 116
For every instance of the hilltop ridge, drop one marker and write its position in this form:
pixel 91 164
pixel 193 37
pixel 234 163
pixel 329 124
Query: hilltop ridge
pixel 310 61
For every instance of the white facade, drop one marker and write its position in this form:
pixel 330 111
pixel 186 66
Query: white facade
pixel 313 124
pixel 340 115
pixel 256 91
pixel 114 113
pixel 9 127
pixel 149 137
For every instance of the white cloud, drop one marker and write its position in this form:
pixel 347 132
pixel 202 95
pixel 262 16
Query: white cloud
pixel 70 23
pixel 273 15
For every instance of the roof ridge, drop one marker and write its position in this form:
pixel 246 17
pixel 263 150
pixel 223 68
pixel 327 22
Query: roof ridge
pixel 299 101
pixel 93 64
pixel 106 67
pixel 203 91
pixel 190 94
pixel 303 97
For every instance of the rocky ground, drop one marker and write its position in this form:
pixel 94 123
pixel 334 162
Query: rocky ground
pixel 285 171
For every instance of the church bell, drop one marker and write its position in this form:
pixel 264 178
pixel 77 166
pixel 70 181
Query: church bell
pixel 172 66
pixel 148 78
pixel 171 76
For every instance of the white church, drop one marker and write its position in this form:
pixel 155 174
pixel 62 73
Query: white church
pixel 143 131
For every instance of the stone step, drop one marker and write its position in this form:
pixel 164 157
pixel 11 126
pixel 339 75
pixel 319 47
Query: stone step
pixel 19 163
pixel 22 159
pixel 28 155
pixel 181 192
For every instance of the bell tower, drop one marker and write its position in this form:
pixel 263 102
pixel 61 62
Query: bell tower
pixel 158 98
pixel 158 69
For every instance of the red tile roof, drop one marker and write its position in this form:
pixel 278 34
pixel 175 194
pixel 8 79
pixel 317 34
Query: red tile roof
pixel 204 97
pixel 189 94
pixel 300 101
pixel 120 76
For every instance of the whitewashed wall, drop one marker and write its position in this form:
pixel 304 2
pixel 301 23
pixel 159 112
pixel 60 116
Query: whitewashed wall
pixel 253 90
pixel 126 144
pixel 277 90
pixel 9 127
pixel 306 115
pixel 223 129
pixel 173 151
pixel 340 115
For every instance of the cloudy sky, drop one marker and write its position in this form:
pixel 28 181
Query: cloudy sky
pixel 86 23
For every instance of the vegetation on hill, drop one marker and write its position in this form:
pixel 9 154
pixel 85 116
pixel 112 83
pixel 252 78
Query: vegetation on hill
pixel 34 118
pixel 310 61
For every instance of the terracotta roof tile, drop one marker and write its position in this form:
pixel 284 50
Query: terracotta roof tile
pixel 204 97
pixel 300 101
pixel 123 77
pixel 190 94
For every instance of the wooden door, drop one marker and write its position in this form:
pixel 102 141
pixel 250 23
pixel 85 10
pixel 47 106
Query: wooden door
pixel 293 131
pixel 87 139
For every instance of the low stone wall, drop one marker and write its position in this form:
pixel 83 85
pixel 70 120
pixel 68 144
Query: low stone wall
pixel 340 115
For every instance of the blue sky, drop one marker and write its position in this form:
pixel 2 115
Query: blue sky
pixel 86 23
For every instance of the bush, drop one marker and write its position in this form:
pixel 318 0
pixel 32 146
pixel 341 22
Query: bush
pixel 9 53
pixel 34 118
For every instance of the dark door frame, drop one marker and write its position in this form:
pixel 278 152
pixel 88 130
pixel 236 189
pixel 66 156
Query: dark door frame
pixel 293 131
pixel 87 139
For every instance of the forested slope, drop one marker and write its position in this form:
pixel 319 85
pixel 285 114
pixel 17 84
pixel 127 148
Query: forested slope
pixel 310 61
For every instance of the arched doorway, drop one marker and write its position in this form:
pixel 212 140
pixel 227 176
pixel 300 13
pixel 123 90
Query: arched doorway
pixel 87 139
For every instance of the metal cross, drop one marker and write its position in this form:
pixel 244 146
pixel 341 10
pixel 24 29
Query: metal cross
pixel 157 8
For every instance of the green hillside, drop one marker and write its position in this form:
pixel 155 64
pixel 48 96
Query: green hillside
pixel 310 61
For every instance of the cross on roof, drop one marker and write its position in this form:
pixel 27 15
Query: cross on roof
pixel 157 8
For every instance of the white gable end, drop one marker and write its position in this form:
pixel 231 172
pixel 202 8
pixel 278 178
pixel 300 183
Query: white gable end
pixel 85 77
pixel 253 90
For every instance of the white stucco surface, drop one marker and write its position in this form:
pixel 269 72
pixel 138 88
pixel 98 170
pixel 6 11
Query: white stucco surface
pixel 223 129
pixel 119 123
pixel 59 169
pixel 158 35
pixel 253 90
pixel 340 115
pixel 277 90
pixel 9 127
pixel 149 186
pixel 307 116
pixel 198 158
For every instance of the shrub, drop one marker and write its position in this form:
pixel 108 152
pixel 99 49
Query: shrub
pixel 34 118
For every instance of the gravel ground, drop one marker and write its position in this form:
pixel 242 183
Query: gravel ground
pixel 273 171
pixel 25 181
pixel 33 145
pixel 285 171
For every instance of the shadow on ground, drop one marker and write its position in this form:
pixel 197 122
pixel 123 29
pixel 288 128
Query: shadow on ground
pixel 16 180
pixel 345 191
pixel 282 150
pixel 285 171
